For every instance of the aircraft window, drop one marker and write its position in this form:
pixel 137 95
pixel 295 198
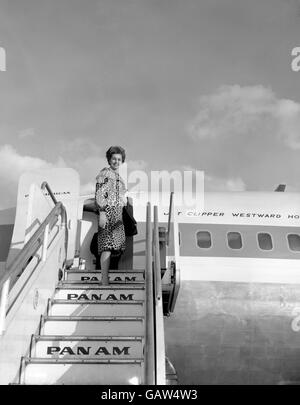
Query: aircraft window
pixel 203 239
pixel 265 241
pixel 234 240
pixel 294 242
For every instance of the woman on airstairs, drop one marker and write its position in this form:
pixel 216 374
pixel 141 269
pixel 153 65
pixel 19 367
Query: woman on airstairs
pixel 110 198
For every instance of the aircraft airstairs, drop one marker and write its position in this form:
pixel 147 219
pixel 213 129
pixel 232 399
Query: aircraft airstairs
pixel 60 325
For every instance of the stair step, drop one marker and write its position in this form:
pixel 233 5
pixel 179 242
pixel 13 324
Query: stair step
pixel 105 293
pixel 92 325
pixel 119 276
pixel 110 270
pixel 41 371
pixel 96 285
pixel 87 347
pixel 95 308
pixel 112 284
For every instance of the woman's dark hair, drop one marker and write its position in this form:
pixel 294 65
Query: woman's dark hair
pixel 115 149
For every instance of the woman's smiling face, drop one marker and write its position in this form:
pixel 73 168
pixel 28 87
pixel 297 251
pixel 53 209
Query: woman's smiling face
pixel 115 161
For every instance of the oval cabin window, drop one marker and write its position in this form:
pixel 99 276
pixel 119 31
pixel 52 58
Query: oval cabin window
pixel 294 242
pixel 203 239
pixel 265 241
pixel 234 240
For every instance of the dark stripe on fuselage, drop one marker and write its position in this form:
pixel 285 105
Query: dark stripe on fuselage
pixel 250 248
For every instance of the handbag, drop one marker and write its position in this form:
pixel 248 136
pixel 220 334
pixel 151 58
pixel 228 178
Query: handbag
pixel 129 222
pixel 94 244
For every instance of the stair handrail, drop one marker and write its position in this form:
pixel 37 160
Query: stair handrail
pixel 157 267
pixel 63 214
pixel 46 186
pixel 149 321
pixel 169 217
pixel 39 238
pixel 158 302
pixel 176 262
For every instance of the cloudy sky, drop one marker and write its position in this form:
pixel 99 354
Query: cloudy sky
pixel 202 84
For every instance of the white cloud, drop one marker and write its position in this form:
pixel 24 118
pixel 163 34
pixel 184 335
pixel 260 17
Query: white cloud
pixel 236 111
pixel 137 165
pixel 214 183
pixel 88 158
pixel 12 165
pixel 83 156
pixel 26 133
pixel 217 183
pixel 80 147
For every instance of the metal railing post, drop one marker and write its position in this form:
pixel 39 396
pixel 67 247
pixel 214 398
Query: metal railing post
pixel 45 243
pixel 169 218
pixel 159 322
pixel 157 284
pixel 176 259
pixel 149 335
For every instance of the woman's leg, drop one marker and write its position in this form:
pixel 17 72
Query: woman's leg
pixel 105 262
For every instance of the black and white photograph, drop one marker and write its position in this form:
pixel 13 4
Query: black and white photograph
pixel 149 195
